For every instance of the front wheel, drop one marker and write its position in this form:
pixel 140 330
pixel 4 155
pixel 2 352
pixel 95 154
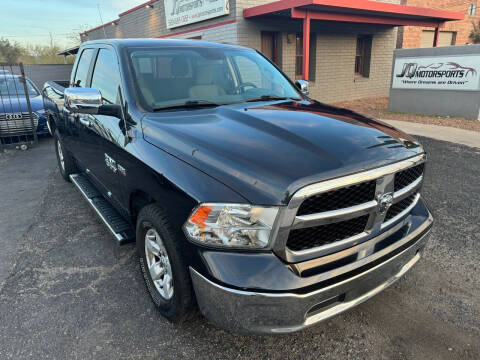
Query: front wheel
pixel 164 271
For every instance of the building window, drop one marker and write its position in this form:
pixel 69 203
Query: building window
pixel 472 9
pixel 363 55
pixel 445 38
pixel 298 56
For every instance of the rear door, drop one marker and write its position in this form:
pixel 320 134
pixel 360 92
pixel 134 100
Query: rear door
pixel 103 139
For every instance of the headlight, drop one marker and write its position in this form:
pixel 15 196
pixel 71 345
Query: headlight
pixel 231 225
pixel 40 112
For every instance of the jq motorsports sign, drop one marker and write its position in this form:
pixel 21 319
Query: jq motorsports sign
pixel 183 12
pixel 437 73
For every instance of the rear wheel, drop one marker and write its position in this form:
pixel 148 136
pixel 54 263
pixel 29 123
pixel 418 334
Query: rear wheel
pixel 65 162
pixel 164 270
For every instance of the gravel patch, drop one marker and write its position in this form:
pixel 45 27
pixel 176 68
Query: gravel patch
pixel 378 108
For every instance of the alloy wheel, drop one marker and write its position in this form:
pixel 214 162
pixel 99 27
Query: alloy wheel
pixel 158 264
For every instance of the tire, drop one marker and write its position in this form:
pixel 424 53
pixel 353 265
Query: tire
pixel 66 164
pixel 177 305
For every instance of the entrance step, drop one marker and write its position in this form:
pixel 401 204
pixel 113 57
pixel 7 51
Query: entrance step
pixel 118 226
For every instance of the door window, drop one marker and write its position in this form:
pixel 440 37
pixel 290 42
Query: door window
pixel 82 68
pixel 106 76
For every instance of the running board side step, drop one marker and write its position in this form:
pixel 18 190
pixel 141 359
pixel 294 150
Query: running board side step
pixel 118 226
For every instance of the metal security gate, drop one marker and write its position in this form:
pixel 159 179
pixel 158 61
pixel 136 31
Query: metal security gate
pixel 18 123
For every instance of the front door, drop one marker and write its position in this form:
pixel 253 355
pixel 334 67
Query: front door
pixel 72 130
pixel 269 45
pixel 104 135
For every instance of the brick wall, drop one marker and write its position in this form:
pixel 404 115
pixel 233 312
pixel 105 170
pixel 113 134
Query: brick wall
pixel 335 78
pixel 335 54
pixel 412 35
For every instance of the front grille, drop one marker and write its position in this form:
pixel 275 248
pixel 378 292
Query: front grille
pixel 339 199
pixel 408 176
pixel 398 207
pixel 302 239
pixel 14 127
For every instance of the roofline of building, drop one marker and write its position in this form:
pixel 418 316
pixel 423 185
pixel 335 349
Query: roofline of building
pixel 377 6
pixel 69 51
pixel 367 5
pixel 119 15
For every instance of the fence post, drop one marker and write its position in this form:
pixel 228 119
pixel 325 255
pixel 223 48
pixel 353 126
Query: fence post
pixel 29 106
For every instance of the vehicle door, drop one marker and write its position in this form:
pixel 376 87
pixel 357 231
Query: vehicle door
pixel 72 127
pixel 103 136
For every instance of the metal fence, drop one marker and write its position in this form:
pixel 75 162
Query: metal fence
pixel 18 123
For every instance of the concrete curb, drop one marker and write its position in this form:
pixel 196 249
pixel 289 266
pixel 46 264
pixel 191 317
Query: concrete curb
pixel 459 136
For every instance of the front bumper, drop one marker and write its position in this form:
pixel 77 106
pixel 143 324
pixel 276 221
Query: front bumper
pixel 282 312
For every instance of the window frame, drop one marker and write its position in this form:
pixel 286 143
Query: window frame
pixel 365 56
pixel 298 55
pixel 472 9
pixel 90 67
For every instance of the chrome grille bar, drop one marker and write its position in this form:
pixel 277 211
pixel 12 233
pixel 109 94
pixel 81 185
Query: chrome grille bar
pixel 19 126
pixel 384 177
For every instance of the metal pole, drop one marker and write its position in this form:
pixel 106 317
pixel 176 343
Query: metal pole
pixel 101 21
pixel 436 36
pixel 27 97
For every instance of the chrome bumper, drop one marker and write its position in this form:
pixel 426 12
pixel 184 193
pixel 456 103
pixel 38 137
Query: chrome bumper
pixel 256 312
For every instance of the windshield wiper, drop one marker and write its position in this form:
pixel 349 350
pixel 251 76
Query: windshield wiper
pixel 271 97
pixel 188 104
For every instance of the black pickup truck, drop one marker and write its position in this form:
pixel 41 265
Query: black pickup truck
pixel 268 210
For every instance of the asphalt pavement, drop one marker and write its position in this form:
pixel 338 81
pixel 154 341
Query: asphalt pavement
pixel 69 292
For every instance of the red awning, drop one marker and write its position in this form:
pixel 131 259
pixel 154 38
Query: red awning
pixel 359 11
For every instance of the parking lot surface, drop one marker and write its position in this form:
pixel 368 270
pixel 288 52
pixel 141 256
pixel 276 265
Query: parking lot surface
pixel 69 292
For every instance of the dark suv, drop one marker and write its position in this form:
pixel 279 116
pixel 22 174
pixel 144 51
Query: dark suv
pixel 268 209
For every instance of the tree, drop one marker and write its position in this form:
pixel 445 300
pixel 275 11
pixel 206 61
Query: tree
pixel 74 36
pixel 475 34
pixel 10 52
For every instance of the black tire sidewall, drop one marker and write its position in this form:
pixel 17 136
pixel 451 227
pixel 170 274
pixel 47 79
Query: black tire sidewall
pixel 70 167
pixel 176 308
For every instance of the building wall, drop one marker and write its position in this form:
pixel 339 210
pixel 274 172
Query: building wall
pixel 335 54
pixel 150 22
pixel 412 35
pixel 335 58
pixel 335 51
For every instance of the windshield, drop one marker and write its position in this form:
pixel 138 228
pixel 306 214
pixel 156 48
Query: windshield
pixel 11 86
pixel 172 76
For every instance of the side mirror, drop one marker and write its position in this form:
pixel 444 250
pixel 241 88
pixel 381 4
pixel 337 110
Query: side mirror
pixel 83 100
pixel 303 86
pixel 89 101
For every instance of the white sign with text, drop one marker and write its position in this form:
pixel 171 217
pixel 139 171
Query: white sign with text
pixel 183 12
pixel 437 73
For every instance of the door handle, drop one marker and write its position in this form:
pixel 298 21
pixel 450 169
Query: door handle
pixel 85 122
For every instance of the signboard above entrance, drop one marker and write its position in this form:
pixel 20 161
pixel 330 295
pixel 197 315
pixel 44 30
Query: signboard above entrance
pixel 437 73
pixel 183 12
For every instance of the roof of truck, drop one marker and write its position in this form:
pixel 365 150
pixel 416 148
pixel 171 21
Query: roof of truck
pixel 146 42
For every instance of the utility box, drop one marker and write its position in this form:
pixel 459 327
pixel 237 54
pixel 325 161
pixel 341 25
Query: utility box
pixel 437 81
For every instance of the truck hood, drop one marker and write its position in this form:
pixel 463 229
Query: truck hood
pixel 267 151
